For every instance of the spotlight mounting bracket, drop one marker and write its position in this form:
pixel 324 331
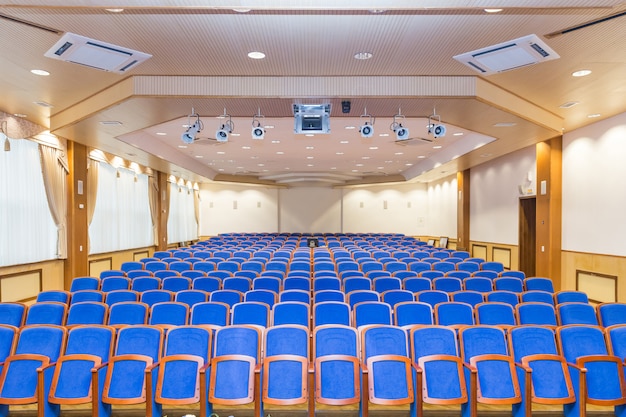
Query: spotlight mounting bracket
pixel 193 129
pixel 367 128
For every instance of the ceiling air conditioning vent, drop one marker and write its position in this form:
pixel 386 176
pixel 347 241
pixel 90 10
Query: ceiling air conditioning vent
pixel 95 54
pixel 527 50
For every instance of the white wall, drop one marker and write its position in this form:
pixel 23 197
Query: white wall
pixel 594 195
pixel 385 208
pixel 234 208
pixel 442 208
pixel 494 196
pixel 310 209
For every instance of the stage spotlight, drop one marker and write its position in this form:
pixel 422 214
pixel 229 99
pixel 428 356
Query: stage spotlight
pixel 221 135
pixel 435 127
pixel 258 131
pixel 367 130
pixel 437 130
pixel 402 133
pixel 192 131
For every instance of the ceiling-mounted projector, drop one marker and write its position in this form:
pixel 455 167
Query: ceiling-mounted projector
pixel 311 118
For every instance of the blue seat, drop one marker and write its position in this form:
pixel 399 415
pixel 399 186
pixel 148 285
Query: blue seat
pixel 537 296
pixel 470 297
pixel 128 313
pixel 162 254
pixel 8 338
pixel 141 284
pixel 359 296
pixel 468 266
pixel 165 273
pixel 180 266
pixel 208 284
pixel 230 297
pixel 262 296
pixel 570 297
pixel 191 297
pixel 576 313
pixel 539 284
pixel 87 348
pixel 291 312
pixel 336 366
pixel 393 297
pixel 410 313
pixel 544 375
pixel 331 312
pixel 37 347
pixel 492 275
pixel 432 297
pixel 87 313
pixel 136 273
pixel 193 274
pixel 210 313
pixel 431 275
pixel 136 350
pixel 169 314
pixel 459 274
pixel 521 275
pixel 12 314
pixel 267 283
pixel 356 283
pixel 84 283
pixel 326 283
pixel 250 312
pixel 485 349
pixel 175 284
pixel 434 352
pixel 47 312
pixel 610 314
pixel 152 297
pixel 59 296
pixel 286 365
pixel 233 379
pixel 295 295
pixel 386 360
pixel 154 266
pixel 508 284
pixel 131 266
pixel 204 266
pixel 328 295
pixel 502 296
pixel 187 353
pixel 536 313
pixel 419 266
pixel 454 314
pixel 118 296
pixel 479 284
pixel 371 312
pixel 416 284
pixel 496 314
pixel 240 284
pixel 447 284
pixel 444 266
pixel 603 382
pixel 492 266
pixel 114 283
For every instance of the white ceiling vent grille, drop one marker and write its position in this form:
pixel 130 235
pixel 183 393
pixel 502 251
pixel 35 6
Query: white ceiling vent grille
pixel 505 56
pixel 95 54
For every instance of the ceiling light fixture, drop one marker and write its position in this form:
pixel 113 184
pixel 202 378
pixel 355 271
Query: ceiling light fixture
pixel 492 10
pixel 505 124
pixel 436 129
pixel 457 134
pixel 192 131
pixel 569 104
pixel 363 55
pixel 594 115
pixel 221 134
pixel 367 129
pixel 256 55
pixel 258 131
pixel 20 115
pixel 161 134
pixel 581 73
pixel 43 73
pixel 43 104
pixel 117 10
pixel 402 133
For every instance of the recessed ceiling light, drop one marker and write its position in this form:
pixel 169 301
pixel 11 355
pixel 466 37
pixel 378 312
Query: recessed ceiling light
pixel 110 123
pixel 373 148
pixel 241 10
pixel 339 153
pixel 344 142
pixel 594 115
pixel 268 127
pixel 569 104
pixel 333 168
pixel 437 147
pixel 505 124
pixel 20 115
pixel 245 147
pixel 457 134
pixel 421 157
pixel 383 135
pixel 275 141
pixel 408 164
pixel 359 165
pixel 581 73
pixel 221 169
pixel 355 170
pixel 256 55
pixel 309 148
pixel 365 157
pixel 287 168
pixel 363 55
pixel 199 156
pixel 280 153
pixel 43 104
pixel 161 134
pixel 117 10
pixel 235 134
pixel 310 165
pixel 492 10
pixel 182 146
pixel 399 153
pixel 221 153
pixel 309 157
pixel 377 11
pixel 261 165
pixel 309 135
pixel 350 127
pixel 40 72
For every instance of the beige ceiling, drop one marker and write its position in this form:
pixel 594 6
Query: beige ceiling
pixel 199 61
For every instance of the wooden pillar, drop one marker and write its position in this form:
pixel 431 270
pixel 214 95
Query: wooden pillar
pixel 463 210
pixel 549 204
pixel 77 263
pixel 163 206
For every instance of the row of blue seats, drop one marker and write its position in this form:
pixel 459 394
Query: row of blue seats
pixel 334 365
pixel 200 308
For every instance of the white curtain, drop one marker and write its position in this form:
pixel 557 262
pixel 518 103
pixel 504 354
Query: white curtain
pixel 182 225
pixel 28 232
pixel 55 170
pixel 122 218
